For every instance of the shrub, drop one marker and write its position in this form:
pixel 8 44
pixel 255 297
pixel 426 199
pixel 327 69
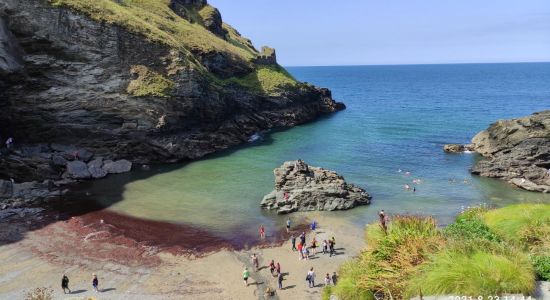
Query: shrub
pixel 470 229
pixel 474 273
pixel 149 83
pixel 542 266
pixel 511 221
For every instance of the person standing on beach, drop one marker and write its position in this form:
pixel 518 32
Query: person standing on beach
pixel 288 225
pixel 293 240
pixel 65 284
pixel 314 246
pixel 311 278
pixel 327 280
pixel 300 251
pixel 246 274
pixel 280 280
pixel 278 268
pixel 305 251
pixel 262 231
pixel 313 225
pixel 325 247
pixel 303 238
pixel 95 283
pixel 254 258
pixel 334 278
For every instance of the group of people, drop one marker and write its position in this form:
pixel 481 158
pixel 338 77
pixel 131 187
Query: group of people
pixel 328 246
pixel 65 283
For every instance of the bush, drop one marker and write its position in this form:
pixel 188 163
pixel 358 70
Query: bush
pixel 542 266
pixel 513 221
pixel 477 273
pixel 470 229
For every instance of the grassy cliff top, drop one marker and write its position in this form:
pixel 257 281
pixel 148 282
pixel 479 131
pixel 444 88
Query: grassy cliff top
pixel 157 22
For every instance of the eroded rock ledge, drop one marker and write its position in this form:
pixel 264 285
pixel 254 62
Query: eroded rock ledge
pixel 300 187
pixel 517 151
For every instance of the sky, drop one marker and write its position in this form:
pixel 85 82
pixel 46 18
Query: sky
pixel 374 32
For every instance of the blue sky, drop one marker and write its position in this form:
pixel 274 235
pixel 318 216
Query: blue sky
pixel 354 32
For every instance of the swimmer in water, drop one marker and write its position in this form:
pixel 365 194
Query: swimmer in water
pixel 407 187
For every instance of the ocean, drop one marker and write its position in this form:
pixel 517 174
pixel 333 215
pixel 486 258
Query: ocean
pixel 397 118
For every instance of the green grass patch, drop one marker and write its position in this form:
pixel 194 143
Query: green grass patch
pixel 270 80
pixel 477 273
pixel 468 229
pixel 149 83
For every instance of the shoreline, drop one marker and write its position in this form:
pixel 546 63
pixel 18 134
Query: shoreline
pixel 148 272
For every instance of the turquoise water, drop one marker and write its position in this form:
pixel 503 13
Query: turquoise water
pixel 397 117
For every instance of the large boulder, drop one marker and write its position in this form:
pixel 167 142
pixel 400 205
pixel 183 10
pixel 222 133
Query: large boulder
pixel 117 167
pixel 95 167
pixel 300 187
pixel 517 151
pixel 457 148
pixel 78 169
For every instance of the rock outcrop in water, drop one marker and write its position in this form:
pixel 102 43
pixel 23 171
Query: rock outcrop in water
pixel 73 75
pixel 517 151
pixel 300 187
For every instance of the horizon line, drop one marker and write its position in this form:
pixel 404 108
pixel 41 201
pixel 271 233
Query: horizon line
pixel 418 64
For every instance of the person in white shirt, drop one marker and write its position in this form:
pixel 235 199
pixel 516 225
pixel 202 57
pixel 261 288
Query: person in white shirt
pixel 311 278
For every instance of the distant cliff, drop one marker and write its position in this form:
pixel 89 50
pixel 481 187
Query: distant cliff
pixel 517 151
pixel 148 81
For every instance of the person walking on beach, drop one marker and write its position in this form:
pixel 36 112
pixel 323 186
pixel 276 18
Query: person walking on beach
pixel 331 243
pixel 254 258
pixel 327 280
pixel 325 247
pixel 293 240
pixel 314 245
pixel 288 225
pixel 262 231
pixel 246 274
pixel 313 225
pixel 280 280
pixel 300 251
pixel 311 278
pixel 95 283
pixel 278 268
pixel 334 278
pixel 65 284
pixel 303 238
pixel 272 266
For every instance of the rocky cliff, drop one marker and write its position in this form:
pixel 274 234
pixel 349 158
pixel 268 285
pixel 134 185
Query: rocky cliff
pixel 300 187
pixel 517 151
pixel 148 81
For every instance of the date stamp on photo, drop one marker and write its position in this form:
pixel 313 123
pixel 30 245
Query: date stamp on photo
pixel 496 297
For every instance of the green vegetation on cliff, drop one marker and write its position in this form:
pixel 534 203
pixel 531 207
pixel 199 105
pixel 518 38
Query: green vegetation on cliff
pixel 157 22
pixel 149 83
pixel 485 252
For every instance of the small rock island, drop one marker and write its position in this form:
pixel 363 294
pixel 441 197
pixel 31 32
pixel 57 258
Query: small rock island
pixel 300 187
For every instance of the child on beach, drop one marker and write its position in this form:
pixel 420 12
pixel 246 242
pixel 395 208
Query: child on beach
pixel 254 258
pixel 327 280
pixel 246 274
pixel 305 250
pixel 300 246
pixel 288 225
pixel 325 247
pixel 272 266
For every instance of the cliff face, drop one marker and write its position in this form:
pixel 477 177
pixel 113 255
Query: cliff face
pixel 70 77
pixel 518 151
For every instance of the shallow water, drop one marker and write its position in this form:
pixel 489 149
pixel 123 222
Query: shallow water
pixel 398 118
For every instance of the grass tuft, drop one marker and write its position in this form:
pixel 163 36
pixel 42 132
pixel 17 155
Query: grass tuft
pixel 149 83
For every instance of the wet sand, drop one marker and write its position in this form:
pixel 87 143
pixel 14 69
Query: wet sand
pixel 137 259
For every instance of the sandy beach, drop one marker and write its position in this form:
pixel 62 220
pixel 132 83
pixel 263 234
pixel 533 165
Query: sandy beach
pixel 136 270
